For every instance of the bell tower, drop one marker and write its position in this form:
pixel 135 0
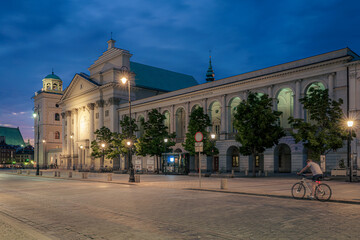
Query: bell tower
pixel 47 120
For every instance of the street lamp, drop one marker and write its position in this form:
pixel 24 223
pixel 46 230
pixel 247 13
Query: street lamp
pixel 350 124
pixel 103 148
pixel 213 137
pixel 37 115
pixel 125 78
pixel 81 160
pixel 164 158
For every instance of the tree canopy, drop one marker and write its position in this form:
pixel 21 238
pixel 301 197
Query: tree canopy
pixel 257 125
pixel 325 129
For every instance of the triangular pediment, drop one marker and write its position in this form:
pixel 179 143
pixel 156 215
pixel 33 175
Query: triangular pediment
pixel 79 85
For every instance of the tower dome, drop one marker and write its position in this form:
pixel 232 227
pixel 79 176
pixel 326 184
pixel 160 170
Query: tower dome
pixel 52 83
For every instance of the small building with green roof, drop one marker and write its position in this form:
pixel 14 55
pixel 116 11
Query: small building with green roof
pixel 12 136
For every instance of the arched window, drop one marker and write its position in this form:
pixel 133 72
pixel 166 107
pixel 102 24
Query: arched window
pixel 286 106
pixel 232 110
pixel 57 117
pixel 195 107
pixel 180 123
pixel 54 86
pixel 57 135
pixel 215 117
pixel 315 85
pixel 167 120
pixel 48 86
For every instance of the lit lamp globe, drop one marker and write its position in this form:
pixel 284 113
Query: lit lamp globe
pixel 213 136
pixel 103 145
pixel 123 80
pixel 350 123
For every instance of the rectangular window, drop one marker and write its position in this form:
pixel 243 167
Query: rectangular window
pixel 257 161
pixel 106 113
pixel 97 115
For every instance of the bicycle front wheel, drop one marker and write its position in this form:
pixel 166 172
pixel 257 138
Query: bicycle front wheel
pixel 323 192
pixel 298 190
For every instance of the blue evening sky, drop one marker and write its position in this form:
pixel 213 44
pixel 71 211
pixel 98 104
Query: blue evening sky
pixel 36 36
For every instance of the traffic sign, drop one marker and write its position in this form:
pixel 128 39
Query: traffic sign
pixel 199 136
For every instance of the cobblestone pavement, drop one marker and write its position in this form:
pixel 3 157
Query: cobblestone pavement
pixel 42 208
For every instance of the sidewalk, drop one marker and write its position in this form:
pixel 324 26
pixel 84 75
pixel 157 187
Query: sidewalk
pixel 342 191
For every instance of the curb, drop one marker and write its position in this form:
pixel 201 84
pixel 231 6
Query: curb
pixel 269 195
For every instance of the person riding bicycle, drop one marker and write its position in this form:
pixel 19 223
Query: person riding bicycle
pixel 316 172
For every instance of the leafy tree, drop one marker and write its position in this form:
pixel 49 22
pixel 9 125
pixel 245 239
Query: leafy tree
pixel 152 142
pixel 199 122
pixel 324 131
pixel 257 125
pixel 103 136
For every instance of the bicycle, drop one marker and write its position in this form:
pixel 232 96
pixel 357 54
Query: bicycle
pixel 322 191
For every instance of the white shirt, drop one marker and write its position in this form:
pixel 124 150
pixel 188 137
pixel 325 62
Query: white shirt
pixel 315 168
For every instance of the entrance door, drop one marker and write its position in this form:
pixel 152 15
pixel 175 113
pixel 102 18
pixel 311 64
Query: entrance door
pixel 216 164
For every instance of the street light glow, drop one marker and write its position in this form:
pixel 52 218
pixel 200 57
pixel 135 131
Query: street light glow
pixel 128 143
pixel 350 123
pixel 166 140
pixel 34 115
pixel 123 80
pixel 81 146
pixel 103 145
pixel 44 141
pixel 213 136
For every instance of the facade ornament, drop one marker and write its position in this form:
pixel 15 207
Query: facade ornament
pixel 68 113
pixel 63 115
pixel 91 106
pixel 100 103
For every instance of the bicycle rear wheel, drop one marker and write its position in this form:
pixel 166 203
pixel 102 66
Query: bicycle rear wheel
pixel 298 190
pixel 323 192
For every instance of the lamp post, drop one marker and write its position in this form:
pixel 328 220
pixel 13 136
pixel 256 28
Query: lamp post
pixel 72 147
pixel 125 78
pixel 350 124
pixel 103 149
pixel 213 137
pixel 164 157
pixel 81 160
pixel 44 153
pixel 37 115
pixel 131 166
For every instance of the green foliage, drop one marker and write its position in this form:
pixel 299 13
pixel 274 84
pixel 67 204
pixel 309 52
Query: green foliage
pixel 125 126
pixel 199 122
pixel 152 142
pixel 103 136
pixel 257 125
pixel 325 131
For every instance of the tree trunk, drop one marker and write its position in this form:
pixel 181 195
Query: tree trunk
pixel 254 165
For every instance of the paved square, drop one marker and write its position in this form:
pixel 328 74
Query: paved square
pixel 48 208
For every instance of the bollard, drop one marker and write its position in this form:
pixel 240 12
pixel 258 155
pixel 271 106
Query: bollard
pixel 246 172
pixel 55 174
pixel 224 184
pixel 28 172
pixel 259 173
pixel 109 177
pixel 58 174
pixel 70 174
pixel 266 173
pixel 40 173
pixel 232 172
pixel 20 172
pixel 137 178
pixel 84 175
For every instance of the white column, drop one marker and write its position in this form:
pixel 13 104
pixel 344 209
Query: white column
pixel 100 105
pixel 352 91
pixel 297 105
pixel 63 134
pixel 245 95
pixel 91 107
pixel 76 130
pixel 331 85
pixel 114 120
pixel 68 132
pixel 187 115
pixel 270 93
pixel 205 106
pixel 223 118
pixel 172 120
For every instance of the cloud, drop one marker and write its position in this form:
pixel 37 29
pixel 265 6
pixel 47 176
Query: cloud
pixel 7 125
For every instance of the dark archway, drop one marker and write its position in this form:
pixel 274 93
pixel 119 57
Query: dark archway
pixel 233 159
pixel 282 158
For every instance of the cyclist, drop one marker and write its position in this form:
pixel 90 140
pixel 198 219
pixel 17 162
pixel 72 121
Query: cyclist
pixel 316 172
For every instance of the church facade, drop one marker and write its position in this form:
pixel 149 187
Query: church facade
pixel 99 99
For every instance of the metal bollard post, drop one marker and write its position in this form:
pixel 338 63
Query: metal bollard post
pixel 28 172
pixel 58 174
pixel 109 177
pixel 224 184
pixel 266 173
pixel 232 173
pixel 246 172
pixel 259 173
pixel 55 174
pixel 70 174
pixel 20 172
pixel 137 178
pixel 40 173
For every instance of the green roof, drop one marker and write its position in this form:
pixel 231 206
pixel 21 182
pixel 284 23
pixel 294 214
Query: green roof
pixel 12 136
pixel 53 76
pixel 157 78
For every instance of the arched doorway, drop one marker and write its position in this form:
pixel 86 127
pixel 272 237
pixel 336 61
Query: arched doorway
pixel 282 159
pixel 232 159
